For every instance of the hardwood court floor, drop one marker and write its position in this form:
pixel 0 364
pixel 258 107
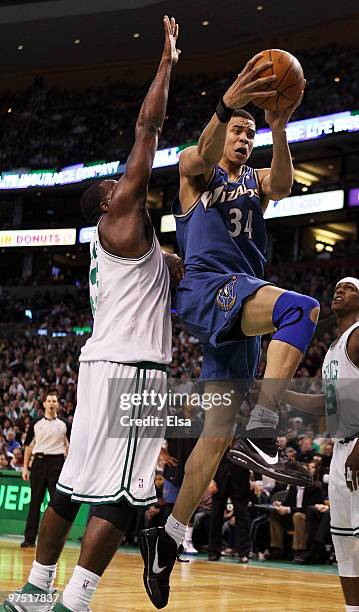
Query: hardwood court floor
pixel 199 586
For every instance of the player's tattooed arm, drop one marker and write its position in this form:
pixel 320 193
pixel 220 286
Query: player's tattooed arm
pixel 353 347
pixel 133 185
pixel 311 403
pixel 126 228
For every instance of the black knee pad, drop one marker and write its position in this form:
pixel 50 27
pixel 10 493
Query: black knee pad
pixel 120 514
pixel 64 507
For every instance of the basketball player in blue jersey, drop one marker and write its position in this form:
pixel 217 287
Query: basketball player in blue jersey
pixel 224 301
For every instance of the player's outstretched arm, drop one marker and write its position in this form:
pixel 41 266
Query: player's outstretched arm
pixel 276 181
pixel 126 229
pixel 311 403
pixel 131 189
pixel 200 160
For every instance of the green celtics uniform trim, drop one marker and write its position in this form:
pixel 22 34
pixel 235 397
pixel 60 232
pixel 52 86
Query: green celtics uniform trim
pixel 136 432
pixel 105 499
pixel 130 435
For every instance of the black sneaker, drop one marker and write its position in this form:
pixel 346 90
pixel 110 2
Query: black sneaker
pixel 159 552
pixel 263 455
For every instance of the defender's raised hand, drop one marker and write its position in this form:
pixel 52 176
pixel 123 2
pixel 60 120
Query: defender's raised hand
pixel 170 51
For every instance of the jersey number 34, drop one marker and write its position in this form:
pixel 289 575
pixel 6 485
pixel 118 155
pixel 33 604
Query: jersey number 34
pixel 236 217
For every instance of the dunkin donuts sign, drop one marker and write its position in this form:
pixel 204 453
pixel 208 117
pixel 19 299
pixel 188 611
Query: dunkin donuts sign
pixel 37 238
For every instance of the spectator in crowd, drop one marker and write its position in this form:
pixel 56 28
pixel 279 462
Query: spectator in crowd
pixel 12 443
pixel 17 462
pixel 305 452
pixel 289 514
pixel 231 481
pixel 317 520
pixel 3 462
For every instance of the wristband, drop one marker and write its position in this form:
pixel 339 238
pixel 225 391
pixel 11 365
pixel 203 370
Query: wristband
pixel 223 112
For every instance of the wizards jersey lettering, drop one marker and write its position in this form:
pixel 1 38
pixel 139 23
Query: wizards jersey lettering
pixel 224 231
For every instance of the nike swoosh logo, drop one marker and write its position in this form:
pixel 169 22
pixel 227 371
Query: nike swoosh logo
pixel 267 458
pixel 156 568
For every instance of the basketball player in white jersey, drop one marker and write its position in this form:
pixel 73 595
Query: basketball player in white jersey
pixel 340 403
pixel 111 464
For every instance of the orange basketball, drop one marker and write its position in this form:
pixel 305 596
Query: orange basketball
pixel 289 82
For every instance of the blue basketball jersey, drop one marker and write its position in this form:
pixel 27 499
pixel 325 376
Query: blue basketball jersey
pixel 224 230
pixel 222 239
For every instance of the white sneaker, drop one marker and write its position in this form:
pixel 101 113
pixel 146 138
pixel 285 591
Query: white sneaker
pixel 188 548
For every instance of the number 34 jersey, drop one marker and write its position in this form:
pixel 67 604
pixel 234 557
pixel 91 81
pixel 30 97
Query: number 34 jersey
pixel 224 230
pixel 341 383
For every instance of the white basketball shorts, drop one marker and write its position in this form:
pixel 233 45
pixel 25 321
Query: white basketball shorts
pixel 344 512
pixel 112 456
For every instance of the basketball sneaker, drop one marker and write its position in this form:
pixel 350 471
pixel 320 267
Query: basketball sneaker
pixel 29 599
pixel 263 455
pixel 159 552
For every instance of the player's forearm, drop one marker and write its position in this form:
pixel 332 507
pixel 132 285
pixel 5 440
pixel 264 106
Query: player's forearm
pixel 27 456
pixel 282 171
pixel 153 109
pixel 211 143
pixel 312 403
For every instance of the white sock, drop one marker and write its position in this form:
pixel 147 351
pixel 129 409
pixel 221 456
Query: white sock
pixel 80 589
pixel 188 534
pixel 351 608
pixel 262 417
pixel 175 529
pixel 42 576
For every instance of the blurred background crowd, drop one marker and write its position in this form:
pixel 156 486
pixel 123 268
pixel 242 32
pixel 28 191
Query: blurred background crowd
pixel 44 127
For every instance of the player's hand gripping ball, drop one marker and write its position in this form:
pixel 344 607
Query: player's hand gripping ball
pixel 289 83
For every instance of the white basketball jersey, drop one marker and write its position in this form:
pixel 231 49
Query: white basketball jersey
pixel 341 379
pixel 130 302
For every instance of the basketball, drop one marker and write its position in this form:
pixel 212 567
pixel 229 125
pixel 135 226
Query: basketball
pixel 289 82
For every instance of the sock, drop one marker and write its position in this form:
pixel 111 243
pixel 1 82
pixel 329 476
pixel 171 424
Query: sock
pixel 80 589
pixel 262 417
pixel 351 608
pixel 42 576
pixel 188 534
pixel 175 529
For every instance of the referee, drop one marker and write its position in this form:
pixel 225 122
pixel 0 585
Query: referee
pixel 47 442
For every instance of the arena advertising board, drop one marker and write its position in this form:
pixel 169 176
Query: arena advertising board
pixel 168 224
pixel 86 233
pixel 353 198
pixel 305 204
pixel 297 131
pixel 38 237
pixel 24 179
pixel 309 129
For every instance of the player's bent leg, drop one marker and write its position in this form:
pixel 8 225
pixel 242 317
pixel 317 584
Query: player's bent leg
pixel 160 547
pixel 55 525
pixel 293 317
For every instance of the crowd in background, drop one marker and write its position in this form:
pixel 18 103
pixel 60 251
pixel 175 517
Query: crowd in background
pixel 44 127
pixel 268 522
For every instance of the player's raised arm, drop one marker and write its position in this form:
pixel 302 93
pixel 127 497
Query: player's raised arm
pixel 126 199
pixel 198 160
pixel 276 181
